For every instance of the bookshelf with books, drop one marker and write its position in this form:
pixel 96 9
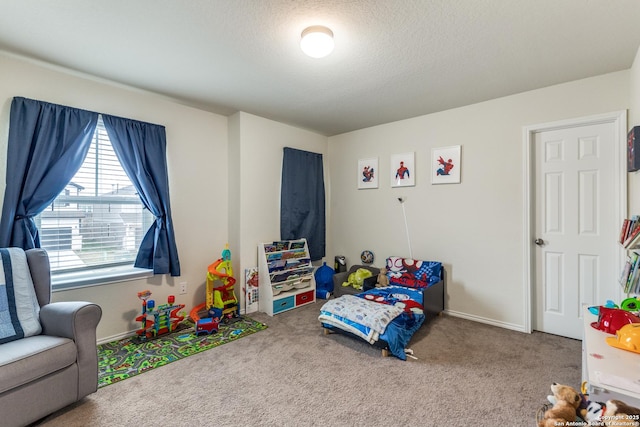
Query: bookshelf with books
pixel 285 276
pixel 630 240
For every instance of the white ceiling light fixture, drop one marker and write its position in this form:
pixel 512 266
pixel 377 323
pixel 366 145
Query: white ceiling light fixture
pixel 317 41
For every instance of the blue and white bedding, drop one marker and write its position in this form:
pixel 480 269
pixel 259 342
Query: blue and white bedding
pixel 392 314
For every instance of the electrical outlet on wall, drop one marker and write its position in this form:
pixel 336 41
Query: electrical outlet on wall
pixel 183 288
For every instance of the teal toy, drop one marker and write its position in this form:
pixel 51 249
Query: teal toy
pixel 595 309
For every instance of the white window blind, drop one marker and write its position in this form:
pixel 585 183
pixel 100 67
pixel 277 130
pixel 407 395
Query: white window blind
pixel 98 220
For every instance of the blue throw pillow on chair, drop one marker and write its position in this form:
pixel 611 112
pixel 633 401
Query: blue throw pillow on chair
pixel 19 309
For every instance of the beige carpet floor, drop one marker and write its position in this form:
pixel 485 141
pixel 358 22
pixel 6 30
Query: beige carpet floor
pixel 467 374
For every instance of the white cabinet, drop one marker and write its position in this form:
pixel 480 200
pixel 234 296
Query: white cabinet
pixel 285 276
pixel 611 373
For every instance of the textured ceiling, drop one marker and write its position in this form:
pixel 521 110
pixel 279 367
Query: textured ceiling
pixel 393 59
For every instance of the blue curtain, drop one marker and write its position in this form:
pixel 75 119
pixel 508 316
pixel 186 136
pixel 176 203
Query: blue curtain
pixel 47 145
pixel 141 149
pixel 302 210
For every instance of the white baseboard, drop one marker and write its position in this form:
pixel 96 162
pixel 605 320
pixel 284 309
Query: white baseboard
pixel 492 322
pixel 117 337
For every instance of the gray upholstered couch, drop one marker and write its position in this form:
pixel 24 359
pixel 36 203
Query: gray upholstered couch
pixel 46 372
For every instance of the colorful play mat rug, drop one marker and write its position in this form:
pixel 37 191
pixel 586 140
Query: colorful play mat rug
pixel 119 360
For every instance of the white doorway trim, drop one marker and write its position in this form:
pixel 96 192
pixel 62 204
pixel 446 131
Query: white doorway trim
pixel 619 119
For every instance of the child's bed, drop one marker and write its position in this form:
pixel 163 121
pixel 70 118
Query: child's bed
pixel 388 317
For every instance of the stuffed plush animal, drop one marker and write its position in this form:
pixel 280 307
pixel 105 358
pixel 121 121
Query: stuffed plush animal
pixel 567 400
pixel 588 411
pixel 383 280
pixel 618 413
pixel 592 412
pixel 356 279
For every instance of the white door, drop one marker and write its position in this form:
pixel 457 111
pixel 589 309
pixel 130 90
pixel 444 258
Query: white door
pixel 576 224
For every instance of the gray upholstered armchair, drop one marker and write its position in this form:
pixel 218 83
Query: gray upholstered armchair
pixel 43 373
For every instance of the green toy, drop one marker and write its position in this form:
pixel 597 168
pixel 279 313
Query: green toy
pixel 630 304
pixel 356 279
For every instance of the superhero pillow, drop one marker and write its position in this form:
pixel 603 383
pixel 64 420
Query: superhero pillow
pixel 413 273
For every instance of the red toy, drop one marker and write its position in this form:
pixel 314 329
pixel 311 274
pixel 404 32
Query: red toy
pixel 208 325
pixel 158 320
pixel 612 319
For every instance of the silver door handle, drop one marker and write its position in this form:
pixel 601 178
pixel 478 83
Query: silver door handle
pixel 539 242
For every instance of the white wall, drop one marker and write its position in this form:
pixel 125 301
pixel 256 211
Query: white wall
pixel 476 227
pixel 257 145
pixel 634 120
pixel 634 110
pixel 198 170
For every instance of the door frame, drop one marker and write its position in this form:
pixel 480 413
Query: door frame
pixel 619 119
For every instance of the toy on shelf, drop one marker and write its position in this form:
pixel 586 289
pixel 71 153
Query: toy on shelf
pixel 627 338
pixel 158 320
pixel 631 304
pixel 612 319
pixel 220 303
pixel 595 309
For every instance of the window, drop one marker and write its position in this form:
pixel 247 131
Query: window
pixel 98 220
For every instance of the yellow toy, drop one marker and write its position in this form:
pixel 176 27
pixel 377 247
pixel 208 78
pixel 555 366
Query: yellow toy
pixel 356 279
pixel 221 301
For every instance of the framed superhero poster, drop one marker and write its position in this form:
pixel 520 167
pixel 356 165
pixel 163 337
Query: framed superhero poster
pixel 403 173
pixel 368 173
pixel 445 165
